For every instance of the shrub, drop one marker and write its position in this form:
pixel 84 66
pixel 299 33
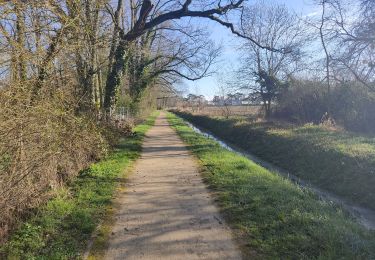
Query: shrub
pixel 43 144
pixel 302 102
pixel 352 105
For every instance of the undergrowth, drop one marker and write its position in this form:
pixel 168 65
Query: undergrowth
pixel 62 227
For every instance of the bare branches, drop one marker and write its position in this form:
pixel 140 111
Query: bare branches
pixel 147 21
pixel 347 40
pixel 212 14
pixel 262 69
pixel 231 27
pixel 327 56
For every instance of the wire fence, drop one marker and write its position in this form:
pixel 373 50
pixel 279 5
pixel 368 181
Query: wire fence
pixel 118 114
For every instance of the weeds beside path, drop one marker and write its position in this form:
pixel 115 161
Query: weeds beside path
pixel 62 228
pixel 274 216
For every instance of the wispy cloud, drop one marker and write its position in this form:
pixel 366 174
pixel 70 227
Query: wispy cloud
pixel 312 14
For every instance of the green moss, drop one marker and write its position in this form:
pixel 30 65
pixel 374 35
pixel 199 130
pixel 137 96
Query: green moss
pixel 62 228
pixel 275 217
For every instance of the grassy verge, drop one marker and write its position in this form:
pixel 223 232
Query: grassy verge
pixel 275 217
pixel 62 228
pixel 339 162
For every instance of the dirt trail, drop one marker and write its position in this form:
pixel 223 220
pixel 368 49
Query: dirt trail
pixel 166 211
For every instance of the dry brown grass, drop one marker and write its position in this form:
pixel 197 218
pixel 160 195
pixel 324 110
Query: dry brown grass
pixel 225 110
pixel 42 145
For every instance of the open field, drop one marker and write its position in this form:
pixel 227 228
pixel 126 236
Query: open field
pixel 225 110
pixel 340 162
pixel 271 215
pixel 62 228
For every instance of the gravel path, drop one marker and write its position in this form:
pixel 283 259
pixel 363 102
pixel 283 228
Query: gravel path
pixel 166 211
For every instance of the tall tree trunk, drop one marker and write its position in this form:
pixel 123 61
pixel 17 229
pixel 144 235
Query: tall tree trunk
pixel 267 108
pixel 38 36
pixel 116 62
pixel 100 85
pixel 327 63
pixel 92 15
pixel 114 76
pixel 20 66
pixel 116 30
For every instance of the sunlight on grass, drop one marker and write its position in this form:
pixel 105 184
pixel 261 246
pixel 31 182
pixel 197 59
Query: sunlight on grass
pixel 340 162
pixel 62 228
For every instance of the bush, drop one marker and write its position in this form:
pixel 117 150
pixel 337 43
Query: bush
pixel 42 145
pixel 61 227
pixel 302 102
pixel 352 105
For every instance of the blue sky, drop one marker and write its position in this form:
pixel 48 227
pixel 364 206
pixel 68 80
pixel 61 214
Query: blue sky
pixel 208 86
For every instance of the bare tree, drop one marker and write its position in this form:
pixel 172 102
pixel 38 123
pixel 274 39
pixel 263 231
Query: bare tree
pixel 186 53
pixel 150 16
pixel 323 19
pixel 347 34
pixel 356 39
pixel 274 26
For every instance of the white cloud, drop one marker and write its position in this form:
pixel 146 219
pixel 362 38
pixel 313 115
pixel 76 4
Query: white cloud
pixel 312 14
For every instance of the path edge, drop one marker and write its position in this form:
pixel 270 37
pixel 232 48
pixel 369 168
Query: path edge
pixel 237 236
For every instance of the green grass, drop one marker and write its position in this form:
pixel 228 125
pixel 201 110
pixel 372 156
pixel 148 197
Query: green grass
pixel 337 161
pixel 62 228
pixel 275 217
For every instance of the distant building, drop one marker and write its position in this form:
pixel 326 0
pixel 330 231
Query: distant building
pixel 218 101
pixel 236 99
